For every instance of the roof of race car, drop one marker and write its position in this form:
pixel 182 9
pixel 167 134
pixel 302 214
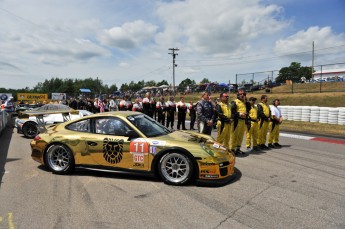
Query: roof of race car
pixel 116 113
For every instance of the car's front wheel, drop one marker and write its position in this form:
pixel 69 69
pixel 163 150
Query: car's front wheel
pixel 175 168
pixel 59 159
pixel 30 129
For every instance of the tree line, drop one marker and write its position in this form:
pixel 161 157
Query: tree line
pixel 295 72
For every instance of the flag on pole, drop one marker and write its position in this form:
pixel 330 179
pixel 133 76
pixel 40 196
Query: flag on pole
pixel 100 104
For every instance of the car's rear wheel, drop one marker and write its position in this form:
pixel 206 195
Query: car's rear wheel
pixel 30 129
pixel 59 159
pixel 175 168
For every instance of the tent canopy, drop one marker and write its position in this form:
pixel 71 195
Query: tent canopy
pixel 85 90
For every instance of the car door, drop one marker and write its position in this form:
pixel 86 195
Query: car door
pixel 111 148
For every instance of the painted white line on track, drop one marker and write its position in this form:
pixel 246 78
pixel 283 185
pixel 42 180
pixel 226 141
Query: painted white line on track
pixel 303 137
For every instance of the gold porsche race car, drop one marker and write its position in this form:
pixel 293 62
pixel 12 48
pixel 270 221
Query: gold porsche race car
pixel 132 141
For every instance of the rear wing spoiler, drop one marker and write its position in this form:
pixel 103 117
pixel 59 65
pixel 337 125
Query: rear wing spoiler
pixel 66 115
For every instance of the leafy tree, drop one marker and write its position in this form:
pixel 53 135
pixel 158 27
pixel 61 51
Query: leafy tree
pixel 184 83
pixel 163 82
pixel 124 87
pixel 205 80
pixel 150 83
pixel 112 88
pixel 294 73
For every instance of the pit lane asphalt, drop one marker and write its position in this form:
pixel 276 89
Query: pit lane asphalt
pixel 300 185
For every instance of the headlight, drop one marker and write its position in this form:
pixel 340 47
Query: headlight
pixel 206 149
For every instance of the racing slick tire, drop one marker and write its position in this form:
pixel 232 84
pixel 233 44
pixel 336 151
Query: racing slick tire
pixel 59 159
pixel 30 129
pixel 175 168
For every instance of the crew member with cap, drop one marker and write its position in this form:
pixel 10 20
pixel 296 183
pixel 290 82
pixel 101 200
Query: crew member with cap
pixel 238 114
pixel 161 109
pixel 192 114
pixel 264 115
pixel 253 127
pixel 181 114
pixel 171 109
pixel 223 110
pixel 152 110
pixel 277 119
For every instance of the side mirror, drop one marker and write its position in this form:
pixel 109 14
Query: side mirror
pixel 131 134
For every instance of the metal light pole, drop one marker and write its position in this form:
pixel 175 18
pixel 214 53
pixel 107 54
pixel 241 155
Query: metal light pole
pixel 174 65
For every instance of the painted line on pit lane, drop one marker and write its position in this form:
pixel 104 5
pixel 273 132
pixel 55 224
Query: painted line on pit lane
pixel 304 137
pixel 342 142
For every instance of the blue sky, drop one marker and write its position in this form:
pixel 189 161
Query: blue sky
pixel 122 41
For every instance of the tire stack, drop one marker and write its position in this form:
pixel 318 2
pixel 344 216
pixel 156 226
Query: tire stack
pixel 323 115
pixel 306 114
pixel 297 113
pixel 284 112
pixel 314 114
pixel 332 116
pixel 341 116
pixel 290 112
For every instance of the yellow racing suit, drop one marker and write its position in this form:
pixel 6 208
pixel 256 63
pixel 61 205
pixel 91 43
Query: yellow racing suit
pixel 223 124
pixel 253 127
pixel 238 107
pixel 264 114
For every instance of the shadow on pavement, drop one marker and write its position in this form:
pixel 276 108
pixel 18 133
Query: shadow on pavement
pixel 5 139
pixel 139 176
pixel 108 174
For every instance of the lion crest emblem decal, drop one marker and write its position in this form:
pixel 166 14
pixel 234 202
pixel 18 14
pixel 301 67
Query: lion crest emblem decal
pixel 112 150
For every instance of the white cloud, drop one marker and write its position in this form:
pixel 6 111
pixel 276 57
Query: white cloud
pixel 124 65
pixel 120 41
pixel 129 36
pixel 219 27
pixel 301 42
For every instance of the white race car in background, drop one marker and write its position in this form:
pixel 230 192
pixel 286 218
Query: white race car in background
pixel 29 122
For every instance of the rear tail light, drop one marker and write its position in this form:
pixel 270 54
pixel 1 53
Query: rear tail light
pixel 37 138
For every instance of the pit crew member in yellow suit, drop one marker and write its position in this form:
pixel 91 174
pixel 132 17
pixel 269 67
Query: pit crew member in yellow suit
pixel 253 126
pixel 238 114
pixel 223 110
pixel 264 114
pixel 276 120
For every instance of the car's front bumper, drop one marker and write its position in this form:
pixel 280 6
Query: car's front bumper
pixel 217 182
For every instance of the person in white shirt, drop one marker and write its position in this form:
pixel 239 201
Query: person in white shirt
pixel 147 103
pixel 276 120
pixel 161 109
pixel 181 113
pixel 113 105
pixel 171 109
pixel 123 104
pixel 137 106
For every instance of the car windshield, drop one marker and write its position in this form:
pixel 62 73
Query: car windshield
pixel 148 126
pixel 52 107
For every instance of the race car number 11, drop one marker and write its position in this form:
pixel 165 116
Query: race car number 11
pixel 139 147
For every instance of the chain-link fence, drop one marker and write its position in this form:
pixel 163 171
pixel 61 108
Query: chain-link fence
pixel 257 81
pixel 325 78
